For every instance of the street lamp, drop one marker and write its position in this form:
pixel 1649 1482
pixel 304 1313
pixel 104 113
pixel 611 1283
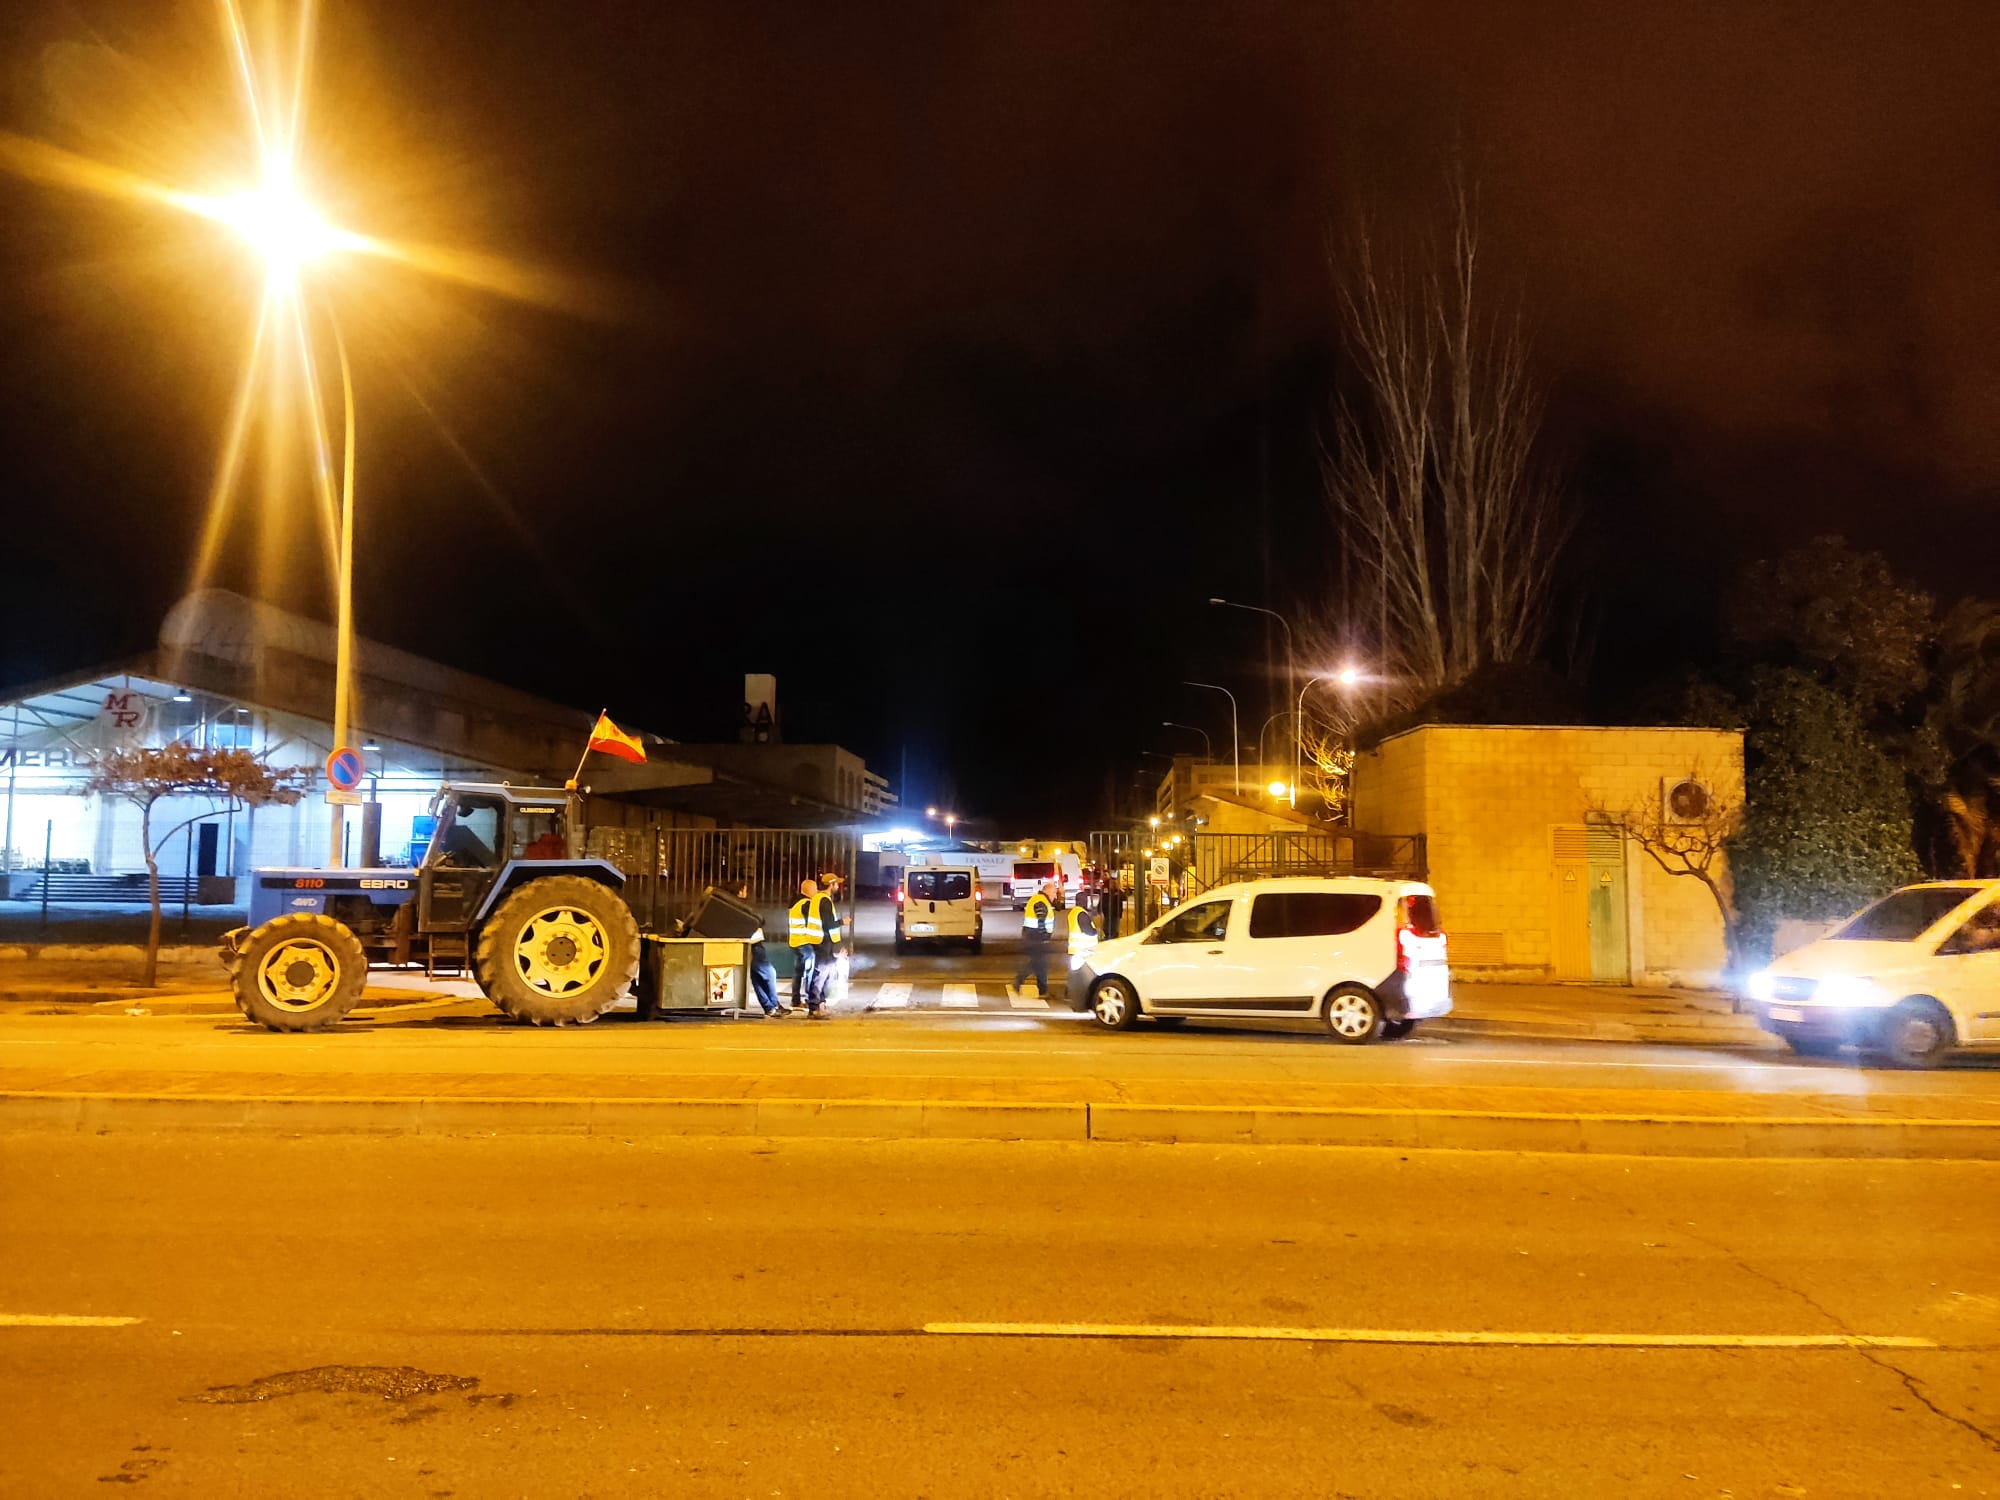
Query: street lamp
pixel 287 235
pixel 1235 739
pixel 1207 745
pixel 1291 657
pixel 1346 677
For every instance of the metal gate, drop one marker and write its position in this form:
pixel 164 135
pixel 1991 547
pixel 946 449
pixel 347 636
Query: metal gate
pixel 666 869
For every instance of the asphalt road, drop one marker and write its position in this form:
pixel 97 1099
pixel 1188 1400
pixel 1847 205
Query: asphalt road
pixel 461 1317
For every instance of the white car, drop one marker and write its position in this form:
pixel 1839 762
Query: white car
pixel 1910 978
pixel 1364 957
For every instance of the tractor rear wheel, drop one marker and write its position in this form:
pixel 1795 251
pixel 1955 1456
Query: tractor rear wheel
pixel 558 950
pixel 299 972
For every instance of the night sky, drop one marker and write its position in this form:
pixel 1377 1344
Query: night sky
pixel 945 359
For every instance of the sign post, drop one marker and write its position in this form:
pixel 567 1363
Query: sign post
pixel 344 770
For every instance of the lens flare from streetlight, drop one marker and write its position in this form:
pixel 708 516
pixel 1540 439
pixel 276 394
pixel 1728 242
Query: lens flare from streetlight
pixel 276 218
pixel 282 227
pixel 1347 676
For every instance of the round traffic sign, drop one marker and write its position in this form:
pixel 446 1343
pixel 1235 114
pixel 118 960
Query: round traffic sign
pixel 345 768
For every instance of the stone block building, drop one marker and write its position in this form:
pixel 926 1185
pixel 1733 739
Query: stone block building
pixel 1533 884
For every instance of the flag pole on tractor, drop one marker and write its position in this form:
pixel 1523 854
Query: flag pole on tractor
pixel 612 740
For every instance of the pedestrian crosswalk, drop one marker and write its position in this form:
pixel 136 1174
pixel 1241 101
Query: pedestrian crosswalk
pixel 899 995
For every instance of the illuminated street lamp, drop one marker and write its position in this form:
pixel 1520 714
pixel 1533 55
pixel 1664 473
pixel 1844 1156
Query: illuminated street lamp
pixel 1346 677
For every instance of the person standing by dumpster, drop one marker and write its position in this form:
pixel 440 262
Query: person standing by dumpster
pixel 1038 926
pixel 763 973
pixel 827 955
pixel 804 933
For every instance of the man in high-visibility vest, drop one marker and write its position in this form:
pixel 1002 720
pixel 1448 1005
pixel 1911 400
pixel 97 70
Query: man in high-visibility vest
pixel 805 932
pixel 1038 926
pixel 1082 938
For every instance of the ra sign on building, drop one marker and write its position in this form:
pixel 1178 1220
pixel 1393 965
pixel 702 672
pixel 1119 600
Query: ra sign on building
pixel 125 714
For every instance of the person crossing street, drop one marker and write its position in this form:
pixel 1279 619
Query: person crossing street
pixel 1038 926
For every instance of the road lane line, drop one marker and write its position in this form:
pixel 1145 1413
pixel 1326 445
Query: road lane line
pixel 1431 1336
pixel 1022 1000
pixel 961 997
pixel 63 1320
pixel 892 997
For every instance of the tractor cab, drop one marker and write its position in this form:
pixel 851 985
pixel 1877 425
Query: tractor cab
pixel 483 829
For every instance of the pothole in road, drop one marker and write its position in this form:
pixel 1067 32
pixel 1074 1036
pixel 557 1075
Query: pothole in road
pixel 390 1382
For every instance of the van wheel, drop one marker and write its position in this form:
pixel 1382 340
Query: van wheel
pixel 1114 1004
pixel 1915 1034
pixel 976 945
pixel 902 943
pixel 1353 1015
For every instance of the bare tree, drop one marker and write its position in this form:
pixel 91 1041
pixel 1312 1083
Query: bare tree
pixel 1689 839
pixel 1431 462
pixel 144 775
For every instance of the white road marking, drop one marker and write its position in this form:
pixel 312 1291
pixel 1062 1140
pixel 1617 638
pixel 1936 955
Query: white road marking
pixel 1432 1336
pixel 961 997
pixel 63 1320
pixel 892 997
pixel 1022 1000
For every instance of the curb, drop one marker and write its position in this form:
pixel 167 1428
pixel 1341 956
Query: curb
pixel 1631 1135
pixel 1661 1032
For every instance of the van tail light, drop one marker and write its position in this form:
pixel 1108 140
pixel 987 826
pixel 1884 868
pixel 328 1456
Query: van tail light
pixel 899 895
pixel 978 896
pixel 1406 941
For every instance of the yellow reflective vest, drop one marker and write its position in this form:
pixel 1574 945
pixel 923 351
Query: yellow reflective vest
pixel 807 930
pixel 1082 930
pixel 1039 915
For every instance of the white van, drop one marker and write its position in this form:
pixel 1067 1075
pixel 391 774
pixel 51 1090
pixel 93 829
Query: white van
pixel 1028 875
pixel 1366 958
pixel 940 904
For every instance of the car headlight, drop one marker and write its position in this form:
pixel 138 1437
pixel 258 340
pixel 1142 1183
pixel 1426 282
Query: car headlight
pixel 1762 986
pixel 1849 989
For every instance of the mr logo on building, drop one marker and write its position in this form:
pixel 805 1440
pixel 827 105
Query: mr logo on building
pixel 125 713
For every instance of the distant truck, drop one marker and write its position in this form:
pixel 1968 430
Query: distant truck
pixel 1027 876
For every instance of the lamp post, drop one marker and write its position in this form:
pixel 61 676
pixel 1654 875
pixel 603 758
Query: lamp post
pixel 1207 745
pixel 287 235
pixel 1235 739
pixel 1291 658
pixel 1346 677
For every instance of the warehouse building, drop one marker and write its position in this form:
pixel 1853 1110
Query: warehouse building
pixel 229 672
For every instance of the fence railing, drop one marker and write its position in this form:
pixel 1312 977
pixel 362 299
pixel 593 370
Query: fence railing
pixel 667 868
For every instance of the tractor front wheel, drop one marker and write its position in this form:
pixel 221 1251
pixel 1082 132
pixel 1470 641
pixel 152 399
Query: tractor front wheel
pixel 299 972
pixel 558 950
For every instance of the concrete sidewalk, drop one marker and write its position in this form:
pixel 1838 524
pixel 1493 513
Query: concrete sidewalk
pixel 396 1071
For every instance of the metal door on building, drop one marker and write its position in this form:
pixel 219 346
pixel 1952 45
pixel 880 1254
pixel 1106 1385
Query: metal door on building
pixel 1590 944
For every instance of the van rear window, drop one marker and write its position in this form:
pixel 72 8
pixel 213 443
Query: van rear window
pixel 1421 912
pixel 940 885
pixel 1034 869
pixel 1283 914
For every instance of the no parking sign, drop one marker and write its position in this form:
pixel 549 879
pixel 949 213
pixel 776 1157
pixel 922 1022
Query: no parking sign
pixel 345 768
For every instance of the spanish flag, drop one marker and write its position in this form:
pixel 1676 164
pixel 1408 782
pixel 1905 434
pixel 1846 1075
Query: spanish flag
pixel 612 740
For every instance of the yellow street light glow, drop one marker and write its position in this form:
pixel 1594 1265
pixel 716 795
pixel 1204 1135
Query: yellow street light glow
pixel 1347 676
pixel 1277 789
pixel 281 227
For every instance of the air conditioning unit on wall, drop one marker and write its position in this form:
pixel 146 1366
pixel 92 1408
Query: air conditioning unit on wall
pixel 1684 800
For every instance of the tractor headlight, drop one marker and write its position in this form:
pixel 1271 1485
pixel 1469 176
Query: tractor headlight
pixel 1849 990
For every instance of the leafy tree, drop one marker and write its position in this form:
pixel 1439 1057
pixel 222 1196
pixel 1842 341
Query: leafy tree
pixel 1826 824
pixel 146 774
pixel 1840 613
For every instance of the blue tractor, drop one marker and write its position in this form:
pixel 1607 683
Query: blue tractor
pixel 501 892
